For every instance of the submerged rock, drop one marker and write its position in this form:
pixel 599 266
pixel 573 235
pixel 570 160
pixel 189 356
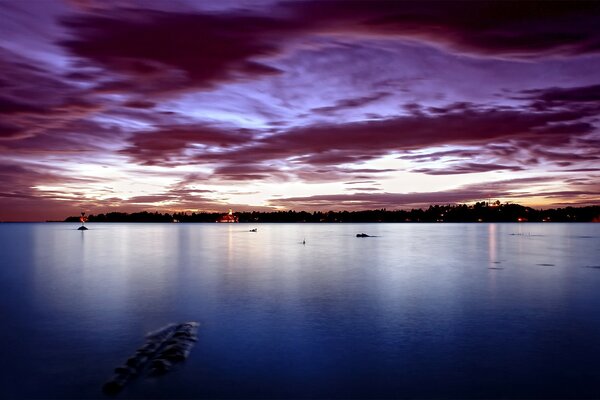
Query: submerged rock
pixel 114 385
pixel 163 348
pixel 136 361
pixel 125 370
pixel 82 228
pixel 160 366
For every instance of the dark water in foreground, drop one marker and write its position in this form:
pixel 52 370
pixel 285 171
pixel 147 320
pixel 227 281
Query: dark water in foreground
pixel 423 310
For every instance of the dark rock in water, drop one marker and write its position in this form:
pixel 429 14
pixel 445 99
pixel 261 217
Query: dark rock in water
pixel 176 357
pixel 82 228
pixel 151 345
pixel 144 352
pixel 114 386
pixel 111 388
pixel 362 235
pixel 160 366
pixel 125 370
pixel 174 354
pixel 163 348
pixel 136 361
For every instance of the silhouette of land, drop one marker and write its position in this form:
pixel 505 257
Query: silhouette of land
pixel 478 212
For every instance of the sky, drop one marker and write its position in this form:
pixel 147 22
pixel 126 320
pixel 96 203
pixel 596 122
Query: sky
pixel 185 105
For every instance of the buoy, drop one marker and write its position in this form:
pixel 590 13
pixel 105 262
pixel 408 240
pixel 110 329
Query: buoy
pixel 83 220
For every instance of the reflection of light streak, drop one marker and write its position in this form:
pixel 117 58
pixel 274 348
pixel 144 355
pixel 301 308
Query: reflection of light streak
pixel 229 244
pixel 492 253
pixel 492 244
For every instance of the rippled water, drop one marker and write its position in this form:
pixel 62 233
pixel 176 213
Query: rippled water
pixel 421 310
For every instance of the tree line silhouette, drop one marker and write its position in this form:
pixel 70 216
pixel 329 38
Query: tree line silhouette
pixel 478 212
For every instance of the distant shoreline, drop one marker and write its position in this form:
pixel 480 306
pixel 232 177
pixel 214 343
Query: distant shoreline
pixel 301 222
pixel 478 212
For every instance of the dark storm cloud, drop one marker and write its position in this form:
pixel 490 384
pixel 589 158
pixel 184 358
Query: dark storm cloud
pixel 141 42
pixel 584 99
pixel 438 155
pixel 580 170
pixel 10 131
pixel 364 189
pixel 161 51
pixel 351 103
pixel 166 145
pixel 499 133
pixel 332 173
pixel 361 141
pixel 361 182
pixel 558 142
pixel 561 194
pixel 332 157
pixel 518 155
pixel 248 172
pixel 565 95
pixel 25 81
pixel 139 104
pixel 467 168
pixel 586 193
pixel 154 50
pixel 10 107
pixel 243 171
pixel 77 139
pixel 35 101
pixel 175 50
pixel 590 154
pixel 504 28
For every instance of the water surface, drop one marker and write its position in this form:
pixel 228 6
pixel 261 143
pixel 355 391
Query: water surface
pixel 421 310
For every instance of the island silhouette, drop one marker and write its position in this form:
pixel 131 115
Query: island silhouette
pixel 478 212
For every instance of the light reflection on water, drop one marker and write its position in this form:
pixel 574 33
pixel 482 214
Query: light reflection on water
pixel 421 310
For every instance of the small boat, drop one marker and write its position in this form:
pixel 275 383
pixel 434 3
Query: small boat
pixel 254 230
pixel 362 235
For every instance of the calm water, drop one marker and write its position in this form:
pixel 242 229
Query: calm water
pixel 422 310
